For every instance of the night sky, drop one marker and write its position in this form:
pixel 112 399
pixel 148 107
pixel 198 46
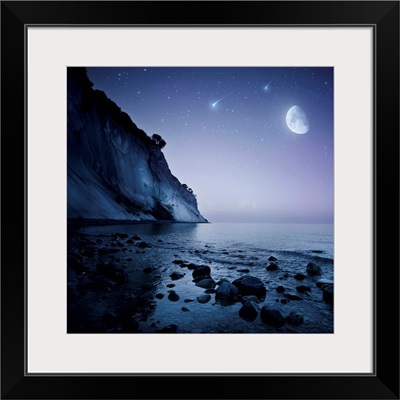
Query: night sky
pixel 227 136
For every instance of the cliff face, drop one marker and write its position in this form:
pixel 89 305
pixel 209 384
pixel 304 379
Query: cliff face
pixel 115 171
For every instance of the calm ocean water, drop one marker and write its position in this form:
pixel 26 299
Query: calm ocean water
pixel 229 249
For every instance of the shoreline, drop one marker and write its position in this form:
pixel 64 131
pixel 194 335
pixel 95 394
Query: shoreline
pixel 100 222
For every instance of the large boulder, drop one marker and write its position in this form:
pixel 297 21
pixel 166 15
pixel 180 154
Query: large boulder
pixel 250 285
pixel 226 293
pixel 272 316
pixel 313 269
pixel 206 283
pixel 201 270
pixel 249 311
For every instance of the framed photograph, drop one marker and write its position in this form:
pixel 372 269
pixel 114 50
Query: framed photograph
pixel 210 203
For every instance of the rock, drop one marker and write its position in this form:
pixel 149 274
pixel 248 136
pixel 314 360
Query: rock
pixel 170 285
pixel 200 278
pixel 76 255
pixel 103 251
pixel 168 329
pixel 313 269
pixel 113 271
pixel 109 316
pixel 249 311
pixel 280 289
pixel 221 281
pixel 177 262
pixel 120 244
pixel 136 237
pixel 303 288
pixel 254 299
pixel 206 283
pixel 130 326
pixel 295 319
pixel 299 277
pixel 191 266
pixel 202 270
pixel 89 253
pixel 76 264
pixel 292 296
pixel 210 291
pixel 272 316
pixel 148 270
pixel 176 275
pixel 272 258
pixel 250 285
pixel 129 241
pixel 185 309
pixel 284 301
pixel 173 296
pixel 146 287
pixel 121 235
pixel 272 267
pixel 143 245
pixel 159 296
pixel 101 284
pixel 226 293
pixel 322 282
pixel 327 293
pixel 317 251
pixel 204 298
pixel 244 270
pixel 188 300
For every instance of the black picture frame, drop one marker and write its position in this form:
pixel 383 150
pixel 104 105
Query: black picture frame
pixel 383 383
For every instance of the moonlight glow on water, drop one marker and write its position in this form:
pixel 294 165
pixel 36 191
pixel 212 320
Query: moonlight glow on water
pixel 255 144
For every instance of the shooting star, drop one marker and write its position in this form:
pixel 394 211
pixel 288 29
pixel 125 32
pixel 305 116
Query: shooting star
pixel 214 104
pixel 266 88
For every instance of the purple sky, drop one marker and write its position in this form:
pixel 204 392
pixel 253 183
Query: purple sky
pixel 239 156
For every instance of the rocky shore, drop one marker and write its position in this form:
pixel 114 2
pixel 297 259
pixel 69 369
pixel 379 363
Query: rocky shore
pixel 122 283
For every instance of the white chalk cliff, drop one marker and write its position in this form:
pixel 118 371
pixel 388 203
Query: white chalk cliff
pixel 116 171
